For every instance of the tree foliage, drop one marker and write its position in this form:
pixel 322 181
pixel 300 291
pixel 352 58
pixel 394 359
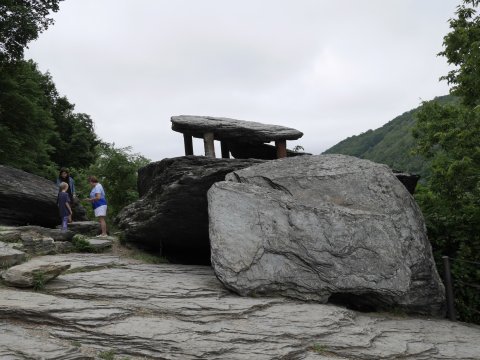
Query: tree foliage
pixel 449 135
pixel 116 169
pixel 462 49
pixel 39 130
pixel 26 124
pixel 21 21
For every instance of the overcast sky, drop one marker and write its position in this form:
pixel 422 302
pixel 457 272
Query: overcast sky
pixel 330 69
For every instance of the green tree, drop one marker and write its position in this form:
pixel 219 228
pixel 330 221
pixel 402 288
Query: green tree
pixel 21 21
pixel 39 131
pixel 26 124
pixel 462 49
pixel 116 169
pixel 76 141
pixel 449 135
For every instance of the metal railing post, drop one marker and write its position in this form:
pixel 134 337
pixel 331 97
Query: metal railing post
pixel 449 288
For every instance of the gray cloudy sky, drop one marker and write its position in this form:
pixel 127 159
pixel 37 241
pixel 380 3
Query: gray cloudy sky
pixel 329 68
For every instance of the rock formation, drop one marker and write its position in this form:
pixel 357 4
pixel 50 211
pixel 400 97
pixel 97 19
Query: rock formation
pixel 110 306
pixel 323 227
pixel 14 234
pixel 408 180
pixel 171 214
pixel 36 272
pixel 231 129
pixel 27 199
pixel 10 256
pixel 243 139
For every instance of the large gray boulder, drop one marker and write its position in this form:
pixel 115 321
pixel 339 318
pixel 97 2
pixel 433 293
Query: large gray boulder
pixel 171 215
pixel 27 199
pixel 323 227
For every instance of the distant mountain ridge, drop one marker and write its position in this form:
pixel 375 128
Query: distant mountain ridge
pixel 390 144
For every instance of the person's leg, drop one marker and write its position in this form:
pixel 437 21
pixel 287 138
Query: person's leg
pixel 64 223
pixel 103 225
pixel 71 204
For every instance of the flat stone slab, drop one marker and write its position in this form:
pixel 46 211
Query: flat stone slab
pixel 27 274
pixel 10 256
pixel 14 233
pixel 100 244
pixel 140 311
pixel 85 227
pixel 231 129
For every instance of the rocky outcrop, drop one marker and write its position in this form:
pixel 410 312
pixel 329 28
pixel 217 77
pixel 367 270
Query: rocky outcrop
pixel 14 234
pixel 99 245
pixel 10 256
pixel 27 199
pixel 35 273
pixel 106 305
pixel 323 227
pixel 171 214
pixel 408 180
pixel 85 227
pixel 37 244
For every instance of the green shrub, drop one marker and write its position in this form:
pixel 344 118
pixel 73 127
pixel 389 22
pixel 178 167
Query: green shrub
pixel 107 355
pixel 81 243
pixel 38 280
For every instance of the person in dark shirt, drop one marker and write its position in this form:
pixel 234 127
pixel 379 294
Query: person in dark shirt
pixel 64 176
pixel 64 205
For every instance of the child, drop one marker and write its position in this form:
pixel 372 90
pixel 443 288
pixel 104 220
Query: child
pixel 64 176
pixel 64 205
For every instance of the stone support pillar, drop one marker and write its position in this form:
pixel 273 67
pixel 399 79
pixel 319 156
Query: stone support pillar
pixel 187 141
pixel 281 146
pixel 225 150
pixel 208 144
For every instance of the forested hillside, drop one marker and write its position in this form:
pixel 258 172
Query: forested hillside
pixel 391 144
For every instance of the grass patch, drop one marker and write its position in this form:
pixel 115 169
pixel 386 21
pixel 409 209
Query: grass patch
pixel 107 355
pixel 318 348
pixel 148 258
pixel 322 350
pixel 398 312
pixel 122 239
pixel 81 244
pixel 38 280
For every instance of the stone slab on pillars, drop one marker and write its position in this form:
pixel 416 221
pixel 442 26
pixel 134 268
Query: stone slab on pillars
pixel 281 146
pixel 187 140
pixel 225 150
pixel 224 129
pixel 209 145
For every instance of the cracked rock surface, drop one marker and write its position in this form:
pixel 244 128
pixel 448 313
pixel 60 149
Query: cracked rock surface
pixel 327 227
pixel 109 305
